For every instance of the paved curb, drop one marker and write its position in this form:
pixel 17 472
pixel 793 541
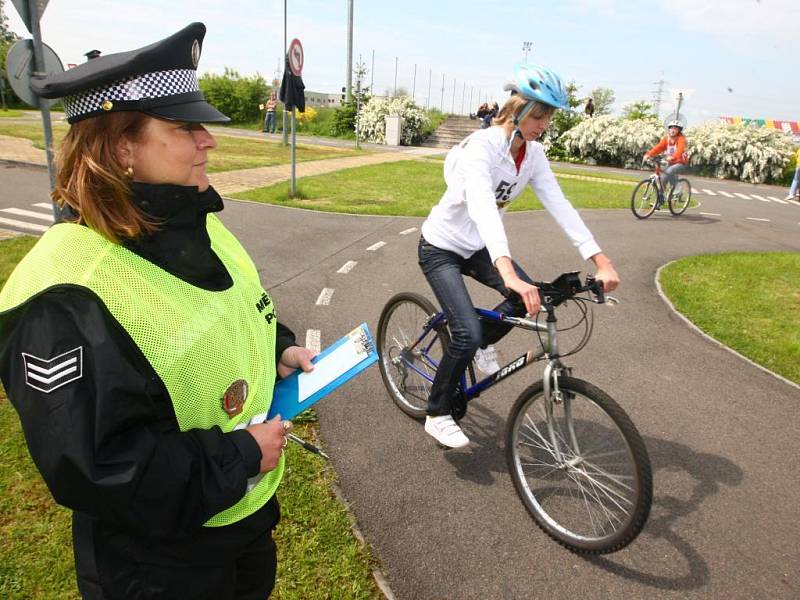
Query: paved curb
pixel 708 337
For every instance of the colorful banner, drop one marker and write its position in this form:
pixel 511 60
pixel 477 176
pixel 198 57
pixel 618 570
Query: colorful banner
pixel 790 127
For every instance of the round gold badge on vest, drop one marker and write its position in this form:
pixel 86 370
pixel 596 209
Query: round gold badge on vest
pixel 234 397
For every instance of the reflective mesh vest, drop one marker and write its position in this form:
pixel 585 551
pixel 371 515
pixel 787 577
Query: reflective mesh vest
pixel 198 341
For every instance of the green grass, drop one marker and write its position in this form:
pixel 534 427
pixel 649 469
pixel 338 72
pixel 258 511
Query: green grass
pixel 319 558
pixel 748 301
pixel 10 113
pixel 375 190
pixel 602 175
pixel 33 132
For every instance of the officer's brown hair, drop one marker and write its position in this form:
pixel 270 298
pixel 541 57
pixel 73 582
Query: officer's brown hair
pixel 91 181
pixel 515 104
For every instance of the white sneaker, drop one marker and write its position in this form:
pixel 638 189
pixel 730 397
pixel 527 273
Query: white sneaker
pixel 790 197
pixel 486 360
pixel 446 431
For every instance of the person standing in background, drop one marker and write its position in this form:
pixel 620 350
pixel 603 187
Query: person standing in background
pixel 269 121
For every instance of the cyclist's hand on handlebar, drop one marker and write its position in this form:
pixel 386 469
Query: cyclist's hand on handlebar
pixel 608 276
pixel 529 294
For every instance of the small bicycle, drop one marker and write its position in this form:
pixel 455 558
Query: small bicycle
pixel 650 194
pixel 578 463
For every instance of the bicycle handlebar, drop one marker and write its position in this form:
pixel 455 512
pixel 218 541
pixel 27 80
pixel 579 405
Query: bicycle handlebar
pixel 568 285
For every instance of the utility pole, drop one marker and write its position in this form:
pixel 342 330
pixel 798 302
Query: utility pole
pixel 463 91
pixel 414 85
pixel 658 93
pixel 470 98
pixel 453 105
pixel 442 105
pixel 396 60
pixel 372 74
pixel 349 49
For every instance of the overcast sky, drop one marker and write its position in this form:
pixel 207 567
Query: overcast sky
pixel 728 57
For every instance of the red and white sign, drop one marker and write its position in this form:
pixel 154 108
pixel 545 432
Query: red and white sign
pixel 296 57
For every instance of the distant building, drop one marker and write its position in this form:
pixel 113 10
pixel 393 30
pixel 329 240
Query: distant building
pixel 321 99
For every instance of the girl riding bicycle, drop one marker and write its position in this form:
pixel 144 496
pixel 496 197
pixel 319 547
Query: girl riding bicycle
pixel 464 233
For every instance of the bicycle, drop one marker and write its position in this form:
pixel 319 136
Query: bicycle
pixel 578 463
pixel 650 194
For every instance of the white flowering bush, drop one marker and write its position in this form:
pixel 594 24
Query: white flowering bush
pixel 612 140
pixel 745 152
pixel 372 120
pixel 748 153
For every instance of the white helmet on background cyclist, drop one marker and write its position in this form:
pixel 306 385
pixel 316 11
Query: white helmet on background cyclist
pixel 536 83
pixel 675 123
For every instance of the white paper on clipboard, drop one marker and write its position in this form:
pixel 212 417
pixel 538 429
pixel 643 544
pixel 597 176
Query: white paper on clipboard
pixel 339 360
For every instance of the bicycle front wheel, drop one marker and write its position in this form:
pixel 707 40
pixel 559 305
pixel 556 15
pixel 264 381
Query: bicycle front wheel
pixel 680 197
pixel 408 359
pixel 579 466
pixel 644 199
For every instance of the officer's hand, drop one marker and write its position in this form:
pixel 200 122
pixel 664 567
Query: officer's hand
pixel 295 357
pixel 271 439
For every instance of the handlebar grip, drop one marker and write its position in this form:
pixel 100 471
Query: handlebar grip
pixel 596 286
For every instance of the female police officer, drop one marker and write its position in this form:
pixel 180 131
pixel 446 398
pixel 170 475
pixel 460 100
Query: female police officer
pixel 139 348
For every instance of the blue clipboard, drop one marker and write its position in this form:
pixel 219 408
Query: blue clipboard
pixel 359 349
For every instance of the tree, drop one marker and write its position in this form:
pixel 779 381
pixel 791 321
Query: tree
pixel 640 109
pixel 563 121
pixel 7 39
pixel 603 99
pixel 234 95
pixel 6 35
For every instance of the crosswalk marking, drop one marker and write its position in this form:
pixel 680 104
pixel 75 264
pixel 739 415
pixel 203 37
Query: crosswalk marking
pixel 24 225
pixel 313 340
pixel 757 219
pixel 407 231
pixel 726 194
pixel 778 200
pixel 27 213
pixel 376 245
pixel 44 205
pixel 757 197
pixel 743 196
pixel 709 192
pixel 711 214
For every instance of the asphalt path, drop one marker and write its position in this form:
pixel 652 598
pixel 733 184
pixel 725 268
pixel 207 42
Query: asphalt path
pixel 722 434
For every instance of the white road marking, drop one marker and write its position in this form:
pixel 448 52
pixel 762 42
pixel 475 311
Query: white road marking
pixel 757 197
pixel 755 219
pixel 376 245
pixel 347 267
pixel 313 340
pixel 407 231
pixel 711 214
pixel 44 205
pixel 697 191
pixel 24 225
pixel 325 297
pixel 726 194
pixel 20 212
pixel 743 196
pixel 709 192
pixel 778 200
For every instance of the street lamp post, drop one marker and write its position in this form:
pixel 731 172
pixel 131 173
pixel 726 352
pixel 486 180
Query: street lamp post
pixel 526 47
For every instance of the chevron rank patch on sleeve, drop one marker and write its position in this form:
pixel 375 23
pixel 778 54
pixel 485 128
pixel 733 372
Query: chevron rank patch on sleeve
pixel 48 374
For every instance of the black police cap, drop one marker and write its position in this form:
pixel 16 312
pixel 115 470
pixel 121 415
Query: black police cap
pixel 159 80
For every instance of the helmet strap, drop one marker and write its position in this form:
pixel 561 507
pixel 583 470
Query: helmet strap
pixel 525 110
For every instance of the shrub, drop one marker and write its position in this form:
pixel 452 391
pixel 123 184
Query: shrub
pixel 236 96
pixel 374 113
pixel 308 116
pixel 748 153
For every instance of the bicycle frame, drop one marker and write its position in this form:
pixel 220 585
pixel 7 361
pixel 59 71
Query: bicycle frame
pixel 472 391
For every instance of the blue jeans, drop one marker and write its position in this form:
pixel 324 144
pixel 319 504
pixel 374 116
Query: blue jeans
pixel 795 182
pixel 269 122
pixel 670 175
pixel 444 271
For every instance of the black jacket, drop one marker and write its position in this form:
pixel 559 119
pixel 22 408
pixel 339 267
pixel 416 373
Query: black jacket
pixel 108 444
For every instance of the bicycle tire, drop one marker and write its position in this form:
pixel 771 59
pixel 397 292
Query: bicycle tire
pixel 400 324
pixel 678 204
pixel 644 199
pixel 553 490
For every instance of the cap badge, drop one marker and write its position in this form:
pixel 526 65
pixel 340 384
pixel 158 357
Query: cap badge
pixel 107 105
pixel 195 53
pixel 234 397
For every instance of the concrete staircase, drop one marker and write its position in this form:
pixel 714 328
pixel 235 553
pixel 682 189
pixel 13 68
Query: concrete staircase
pixel 452 130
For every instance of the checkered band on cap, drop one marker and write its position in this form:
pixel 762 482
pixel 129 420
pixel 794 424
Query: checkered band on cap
pixel 158 84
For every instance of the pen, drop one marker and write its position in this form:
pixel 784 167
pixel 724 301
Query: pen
pixel 306 445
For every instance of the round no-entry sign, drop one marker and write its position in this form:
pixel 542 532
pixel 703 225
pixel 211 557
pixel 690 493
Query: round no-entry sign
pixel 296 57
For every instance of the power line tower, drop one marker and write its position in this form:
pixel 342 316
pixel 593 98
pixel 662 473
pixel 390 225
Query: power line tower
pixel 658 93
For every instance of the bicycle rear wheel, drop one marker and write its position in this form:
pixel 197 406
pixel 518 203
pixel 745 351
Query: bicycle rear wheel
pixel 408 372
pixel 680 197
pixel 579 466
pixel 644 199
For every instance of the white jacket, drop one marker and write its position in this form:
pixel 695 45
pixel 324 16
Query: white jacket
pixel 482 180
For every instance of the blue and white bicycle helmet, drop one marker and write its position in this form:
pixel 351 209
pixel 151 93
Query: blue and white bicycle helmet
pixel 537 83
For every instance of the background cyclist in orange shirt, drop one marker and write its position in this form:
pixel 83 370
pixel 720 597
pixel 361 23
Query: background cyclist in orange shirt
pixel 673 146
